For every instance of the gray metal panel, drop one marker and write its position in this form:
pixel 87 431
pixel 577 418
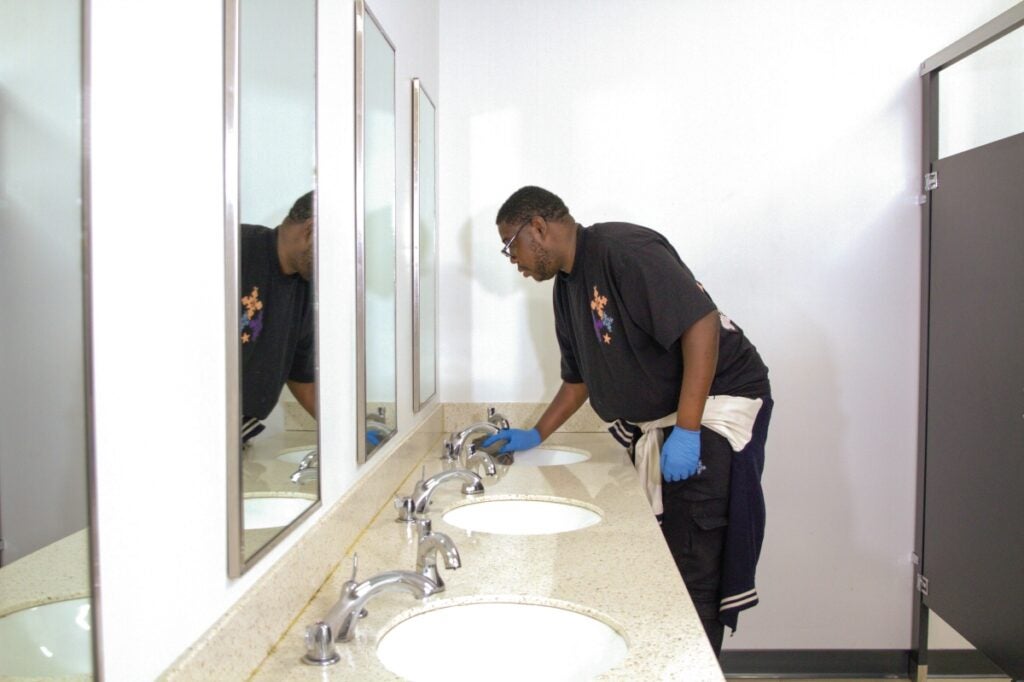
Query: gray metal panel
pixel 974 511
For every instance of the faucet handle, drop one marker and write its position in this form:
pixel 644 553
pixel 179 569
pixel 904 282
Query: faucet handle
pixel 320 649
pixel 405 507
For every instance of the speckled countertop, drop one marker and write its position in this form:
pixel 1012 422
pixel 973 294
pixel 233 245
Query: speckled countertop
pixel 619 571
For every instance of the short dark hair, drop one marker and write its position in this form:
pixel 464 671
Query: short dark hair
pixel 302 209
pixel 529 201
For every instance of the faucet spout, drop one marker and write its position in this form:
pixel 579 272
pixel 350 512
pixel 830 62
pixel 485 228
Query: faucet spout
pixel 408 507
pixel 475 456
pixel 341 619
pixel 308 467
pixel 458 439
pixel 474 485
pixel 429 544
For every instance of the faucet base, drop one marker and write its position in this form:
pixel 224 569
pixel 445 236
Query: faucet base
pixel 321 662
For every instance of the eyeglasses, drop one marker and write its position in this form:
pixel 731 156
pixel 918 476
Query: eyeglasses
pixel 506 250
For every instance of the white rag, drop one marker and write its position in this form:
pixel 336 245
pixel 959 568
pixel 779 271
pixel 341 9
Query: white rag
pixel 731 417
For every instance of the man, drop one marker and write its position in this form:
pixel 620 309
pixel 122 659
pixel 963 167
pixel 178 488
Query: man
pixel 642 339
pixel 276 321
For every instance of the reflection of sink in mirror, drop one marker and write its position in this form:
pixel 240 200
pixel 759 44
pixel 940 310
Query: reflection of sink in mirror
pixel 522 516
pixel 272 512
pixel 464 642
pixel 47 641
pixel 296 455
pixel 546 457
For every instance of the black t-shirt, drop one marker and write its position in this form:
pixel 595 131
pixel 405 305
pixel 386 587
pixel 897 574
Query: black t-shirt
pixel 276 324
pixel 620 315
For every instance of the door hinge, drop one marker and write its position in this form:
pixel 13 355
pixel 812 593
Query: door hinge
pixel 922 584
pixel 931 181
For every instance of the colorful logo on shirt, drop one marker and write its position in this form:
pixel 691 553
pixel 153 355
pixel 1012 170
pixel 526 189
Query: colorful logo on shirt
pixel 602 322
pixel 251 321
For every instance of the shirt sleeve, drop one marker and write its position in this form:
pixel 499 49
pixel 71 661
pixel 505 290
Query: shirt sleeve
pixel 570 370
pixel 659 292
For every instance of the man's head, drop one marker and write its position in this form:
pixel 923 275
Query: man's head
pixel 537 232
pixel 295 238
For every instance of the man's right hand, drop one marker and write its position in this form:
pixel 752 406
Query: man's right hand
pixel 518 439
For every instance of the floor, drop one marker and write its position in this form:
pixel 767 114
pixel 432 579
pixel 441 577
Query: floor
pixel 875 679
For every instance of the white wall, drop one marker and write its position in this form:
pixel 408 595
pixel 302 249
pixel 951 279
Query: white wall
pixel 777 145
pixel 158 274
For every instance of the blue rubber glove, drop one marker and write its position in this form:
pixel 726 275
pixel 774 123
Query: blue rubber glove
pixel 373 437
pixel 518 439
pixel 680 455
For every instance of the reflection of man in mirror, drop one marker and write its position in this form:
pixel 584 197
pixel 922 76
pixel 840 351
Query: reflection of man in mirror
pixel 276 319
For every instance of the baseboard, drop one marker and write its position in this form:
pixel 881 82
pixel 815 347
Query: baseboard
pixel 852 663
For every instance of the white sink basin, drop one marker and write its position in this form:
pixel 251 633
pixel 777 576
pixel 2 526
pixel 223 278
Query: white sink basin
pixel 47 641
pixel 501 641
pixel 295 455
pixel 272 512
pixel 547 457
pixel 517 516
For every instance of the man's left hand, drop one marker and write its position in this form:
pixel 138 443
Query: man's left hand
pixel 680 455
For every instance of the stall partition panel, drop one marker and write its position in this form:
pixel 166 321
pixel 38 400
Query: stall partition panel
pixel 974 506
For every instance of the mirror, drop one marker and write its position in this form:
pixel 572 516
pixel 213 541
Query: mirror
pixel 424 246
pixel 273 440
pixel 375 233
pixel 44 420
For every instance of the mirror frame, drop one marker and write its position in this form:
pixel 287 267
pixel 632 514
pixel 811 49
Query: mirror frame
pixel 95 585
pixel 362 14
pixel 419 400
pixel 238 564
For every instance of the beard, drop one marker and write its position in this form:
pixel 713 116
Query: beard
pixel 304 265
pixel 543 267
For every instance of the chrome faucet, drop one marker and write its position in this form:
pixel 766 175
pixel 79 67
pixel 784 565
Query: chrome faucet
pixel 428 545
pixel 474 456
pixel 308 469
pixel 454 443
pixel 339 623
pixel 409 506
pixel 497 418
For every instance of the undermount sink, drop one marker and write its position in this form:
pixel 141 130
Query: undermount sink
pixel 501 641
pixel 522 516
pixel 547 457
pixel 47 640
pixel 295 455
pixel 272 512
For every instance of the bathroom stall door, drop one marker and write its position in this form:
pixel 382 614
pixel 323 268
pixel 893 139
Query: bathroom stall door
pixel 974 505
